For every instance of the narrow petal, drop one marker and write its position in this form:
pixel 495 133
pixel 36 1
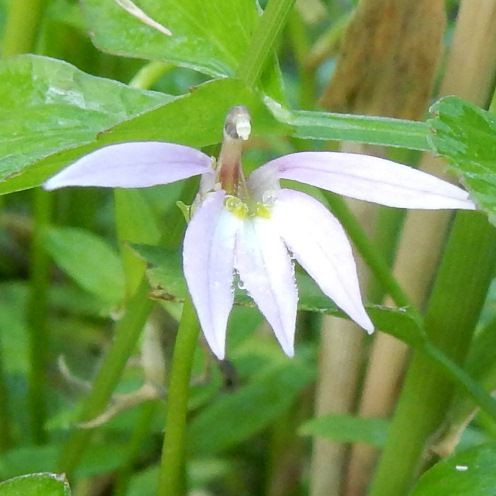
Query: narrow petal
pixel 133 165
pixel 372 179
pixel 320 245
pixel 208 256
pixel 267 272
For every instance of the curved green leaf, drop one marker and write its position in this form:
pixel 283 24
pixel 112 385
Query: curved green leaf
pixel 220 425
pixel 89 260
pixel 210 37
pixel 348 429
pixel 36 485
pixel 467 473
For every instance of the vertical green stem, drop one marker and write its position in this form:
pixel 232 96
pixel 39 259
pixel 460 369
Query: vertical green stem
pixel 21 32
pixel 171 478
pixel 453 310
pixel 264 39
pixel 37 315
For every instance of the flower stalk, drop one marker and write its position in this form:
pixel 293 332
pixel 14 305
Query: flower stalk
pixel 172 469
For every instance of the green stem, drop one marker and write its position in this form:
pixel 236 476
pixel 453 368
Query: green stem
pixel 127 332
pixel 37 315
pixel 149 74
pixel 5 418
pixel 462 379
pixel 21 33
pixel 171 477
pixel 263 40
pixel 135 445
pixel 299 37
pixel 453 311
pixel 23 22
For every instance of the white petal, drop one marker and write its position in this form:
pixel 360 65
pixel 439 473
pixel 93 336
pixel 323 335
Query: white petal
pixel 320 245
pixel 208 257
pixel 372 179
pixel 267 272
pixel 133 165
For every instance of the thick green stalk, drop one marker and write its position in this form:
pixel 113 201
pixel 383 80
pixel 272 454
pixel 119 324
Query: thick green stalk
pixel 453 310
pixel 23 22
pixel 127 332
pixel 263 40
pixel 171 478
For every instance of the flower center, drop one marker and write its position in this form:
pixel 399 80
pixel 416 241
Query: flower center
pixel 243 210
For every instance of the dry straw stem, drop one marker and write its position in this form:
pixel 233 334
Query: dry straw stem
pixel 387 67
pixel 470 70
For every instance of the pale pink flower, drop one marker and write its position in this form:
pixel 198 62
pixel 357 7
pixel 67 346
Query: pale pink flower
pixel 255 228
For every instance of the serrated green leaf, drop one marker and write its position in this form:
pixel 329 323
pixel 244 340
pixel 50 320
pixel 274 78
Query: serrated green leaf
pixel 234 417
pixel 89 260
pixel 466 136
pixel 348 429
pixel 36 485
pixel 49 106
pixel 469 472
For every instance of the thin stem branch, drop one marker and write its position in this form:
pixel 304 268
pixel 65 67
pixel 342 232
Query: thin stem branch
pixel 37 315
pixel 127 332
pixel 171 478
pixel 149 74
pixel 369 253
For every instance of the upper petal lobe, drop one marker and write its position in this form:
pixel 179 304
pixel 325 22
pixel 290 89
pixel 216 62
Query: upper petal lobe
pixel 370 178
pixel 133 165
